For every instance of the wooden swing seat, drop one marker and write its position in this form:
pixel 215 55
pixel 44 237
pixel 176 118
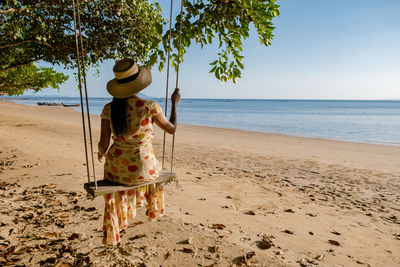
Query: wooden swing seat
pixel 106 187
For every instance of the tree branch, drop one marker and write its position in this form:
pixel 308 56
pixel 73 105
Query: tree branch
pixel 21 64
pixel 16 44
pixel 11 10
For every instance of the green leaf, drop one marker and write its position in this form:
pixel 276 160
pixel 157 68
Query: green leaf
pixel 213 69
pixel 161 66
pixel 214 62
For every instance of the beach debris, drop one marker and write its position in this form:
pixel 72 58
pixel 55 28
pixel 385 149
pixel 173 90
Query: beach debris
pixel 396 236
pixel 288 232
pixel 250 212
pixel 90 209
pixel 137 237
pixel 59 223
pixel 213 249
pixel 73 236
pixel 250 255
pixel 168 255
pixel 311 215
pixel 334 242
pixel 310 233
pixel 245 258
pixel 50 260
pixel 187 241
pixel 392 219
pixel 188 250
pixel 304 262
pixel 135 223
pixel 335 232
pixel 50 235
pixel 320 257
pixel 6 163
pixel 27 166
pixel 289 210
pixel 265 244
pixel 228 197
pixel 202 198
pixel 218 226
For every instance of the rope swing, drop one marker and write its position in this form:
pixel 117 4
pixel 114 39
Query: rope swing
pixel 102 187
pixel 177 76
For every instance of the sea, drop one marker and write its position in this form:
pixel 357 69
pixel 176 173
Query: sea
pixel 365 121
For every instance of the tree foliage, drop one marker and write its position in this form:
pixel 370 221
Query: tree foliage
pixel 227 22
pixel 19 79
pixel 33 30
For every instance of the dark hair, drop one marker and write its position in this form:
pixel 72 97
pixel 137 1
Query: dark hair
pixel 118 115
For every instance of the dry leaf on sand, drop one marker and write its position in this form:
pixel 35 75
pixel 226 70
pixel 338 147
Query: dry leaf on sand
pixel 73 236
pixel 136 237
pixel 250 212
pixel 333 242
pixel 187 250
pixel 218 226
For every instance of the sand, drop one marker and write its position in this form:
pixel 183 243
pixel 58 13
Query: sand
pixel 280 200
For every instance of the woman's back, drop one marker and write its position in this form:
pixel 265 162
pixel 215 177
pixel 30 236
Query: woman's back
pixel 131 159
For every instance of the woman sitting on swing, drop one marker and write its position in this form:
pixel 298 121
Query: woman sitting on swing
pixel 130 160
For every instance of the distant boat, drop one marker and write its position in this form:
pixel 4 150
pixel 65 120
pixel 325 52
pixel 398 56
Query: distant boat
pixel 48 104
pixel 57 104
pixel 71 105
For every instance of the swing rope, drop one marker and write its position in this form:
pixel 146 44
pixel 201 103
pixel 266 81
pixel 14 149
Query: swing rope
pixel 80 90
pixel 177 76
pixel 86 95
pixel 166 88
pixel 80 59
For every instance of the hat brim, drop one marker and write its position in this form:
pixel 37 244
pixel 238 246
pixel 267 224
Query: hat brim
pixel 125 90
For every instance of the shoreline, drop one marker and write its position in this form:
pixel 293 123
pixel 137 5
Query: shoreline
pixel 299 194
pixel 268 133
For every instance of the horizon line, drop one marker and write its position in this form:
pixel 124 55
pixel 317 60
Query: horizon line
pixel 206 98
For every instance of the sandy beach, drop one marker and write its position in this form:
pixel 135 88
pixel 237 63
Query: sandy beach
pixel 242 198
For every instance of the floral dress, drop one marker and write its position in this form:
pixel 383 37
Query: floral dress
pixel 131 160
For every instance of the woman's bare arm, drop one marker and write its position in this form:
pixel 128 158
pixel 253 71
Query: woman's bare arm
pixel 105 135
pixel 161 120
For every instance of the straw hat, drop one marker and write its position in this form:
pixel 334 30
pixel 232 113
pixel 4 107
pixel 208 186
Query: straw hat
pixel 129 79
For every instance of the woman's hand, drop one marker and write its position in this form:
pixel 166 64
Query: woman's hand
pixel 176 96
pixel 99 156
pixel 161 120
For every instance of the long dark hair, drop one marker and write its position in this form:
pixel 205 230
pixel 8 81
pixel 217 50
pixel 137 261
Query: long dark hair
pixel 118 115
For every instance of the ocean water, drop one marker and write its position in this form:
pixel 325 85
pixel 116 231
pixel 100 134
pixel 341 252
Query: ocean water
pixel 360 121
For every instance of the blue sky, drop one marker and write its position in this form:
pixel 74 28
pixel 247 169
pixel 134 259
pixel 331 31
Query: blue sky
pixel 323 49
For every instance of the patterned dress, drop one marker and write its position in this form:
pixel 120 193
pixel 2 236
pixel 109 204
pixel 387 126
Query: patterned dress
pixel 131 160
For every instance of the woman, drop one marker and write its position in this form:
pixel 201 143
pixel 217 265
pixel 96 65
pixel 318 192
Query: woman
pixel 130 159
